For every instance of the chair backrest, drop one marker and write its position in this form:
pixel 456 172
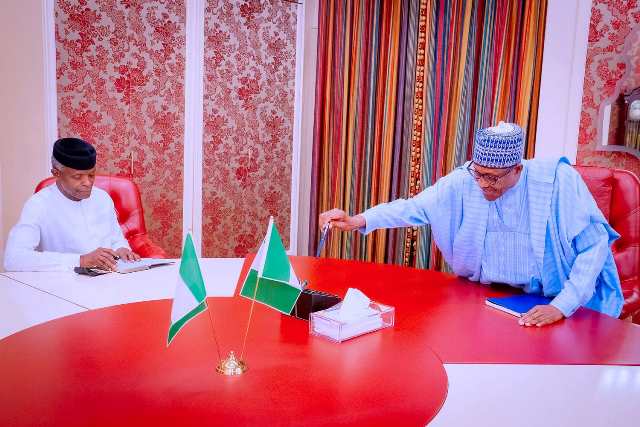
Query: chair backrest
pixel 617 193
pixel 126 198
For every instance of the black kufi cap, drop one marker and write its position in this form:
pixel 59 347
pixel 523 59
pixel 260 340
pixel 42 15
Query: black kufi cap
pixel 75 153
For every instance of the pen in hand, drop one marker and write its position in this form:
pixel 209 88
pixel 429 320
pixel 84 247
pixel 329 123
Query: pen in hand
pixel 323 238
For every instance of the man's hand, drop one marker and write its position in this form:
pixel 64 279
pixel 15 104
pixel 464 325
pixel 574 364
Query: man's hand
pixel 127 255
pixel 541 315
pixel 339 219
pixel 102 258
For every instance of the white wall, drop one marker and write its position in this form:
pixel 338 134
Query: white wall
pixel 2 236
pixel 307 112
pixel 23 147
pixel 563 65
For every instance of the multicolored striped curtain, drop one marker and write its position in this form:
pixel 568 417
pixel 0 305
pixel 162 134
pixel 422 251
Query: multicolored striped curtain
pixel 401 88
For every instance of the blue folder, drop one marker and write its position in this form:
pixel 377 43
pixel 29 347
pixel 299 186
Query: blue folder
pixel 517 304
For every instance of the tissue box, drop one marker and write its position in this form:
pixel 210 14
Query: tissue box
pixel 325 323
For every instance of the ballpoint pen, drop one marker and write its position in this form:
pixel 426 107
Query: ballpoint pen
pixel 323 239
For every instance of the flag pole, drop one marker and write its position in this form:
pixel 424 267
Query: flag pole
pixel 211 322
pixel 253 302
pixel 231 366
pixel 213 332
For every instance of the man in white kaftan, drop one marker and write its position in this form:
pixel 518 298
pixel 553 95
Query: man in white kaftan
pixel 70 223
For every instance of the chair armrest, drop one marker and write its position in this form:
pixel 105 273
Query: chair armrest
pixel 143 246
pixel 631 295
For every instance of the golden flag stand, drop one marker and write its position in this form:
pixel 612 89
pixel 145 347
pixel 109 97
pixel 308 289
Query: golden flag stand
pixel 231 366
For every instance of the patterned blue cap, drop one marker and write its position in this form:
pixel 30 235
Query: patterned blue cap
pixel 500 146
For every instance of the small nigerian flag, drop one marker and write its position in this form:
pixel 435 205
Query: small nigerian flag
pixel 190 297
pixel 277 284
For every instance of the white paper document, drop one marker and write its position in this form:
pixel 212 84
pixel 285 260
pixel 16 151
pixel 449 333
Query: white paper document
pixel 123 266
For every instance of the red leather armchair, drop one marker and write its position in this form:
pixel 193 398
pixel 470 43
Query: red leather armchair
pixel 126 198
pixel 617 193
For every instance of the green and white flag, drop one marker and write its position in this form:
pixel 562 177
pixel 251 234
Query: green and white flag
pixel 272 274
pixel 191 294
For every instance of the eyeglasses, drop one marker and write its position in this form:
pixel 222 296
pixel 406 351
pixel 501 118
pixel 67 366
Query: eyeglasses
pixel 487 177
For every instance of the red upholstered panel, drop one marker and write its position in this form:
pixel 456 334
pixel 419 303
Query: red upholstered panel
pixel 128 204
pixel 617 193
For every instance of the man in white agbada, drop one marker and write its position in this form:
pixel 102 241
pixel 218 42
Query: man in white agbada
pixel 532 224
pixel 68 224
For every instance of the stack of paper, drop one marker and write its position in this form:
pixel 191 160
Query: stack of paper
pixel 123 266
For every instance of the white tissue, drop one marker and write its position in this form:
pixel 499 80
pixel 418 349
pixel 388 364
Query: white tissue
pixel 503 127
pixel 354 317
pixel 355 305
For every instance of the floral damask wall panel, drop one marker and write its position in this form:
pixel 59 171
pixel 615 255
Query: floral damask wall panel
pixel 248 123
pixel 120 77
pixel 612 66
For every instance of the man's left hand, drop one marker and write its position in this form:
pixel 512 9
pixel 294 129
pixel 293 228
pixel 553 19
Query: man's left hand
pixel 125 254
pixel 541 315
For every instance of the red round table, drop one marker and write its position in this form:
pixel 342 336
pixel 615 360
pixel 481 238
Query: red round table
pixel 112 367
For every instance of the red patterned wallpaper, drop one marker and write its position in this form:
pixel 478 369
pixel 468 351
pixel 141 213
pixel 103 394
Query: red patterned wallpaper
pixel 120 74
pixel 613 65
pixel 248 122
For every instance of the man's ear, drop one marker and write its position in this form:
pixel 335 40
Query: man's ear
pixel 55 172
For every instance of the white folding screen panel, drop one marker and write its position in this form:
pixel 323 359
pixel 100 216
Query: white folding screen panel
pixel 562 80
pixel 297 145
pixel 193 110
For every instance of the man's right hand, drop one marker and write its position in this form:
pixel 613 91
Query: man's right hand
pixel 102 258
pixel 339 219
